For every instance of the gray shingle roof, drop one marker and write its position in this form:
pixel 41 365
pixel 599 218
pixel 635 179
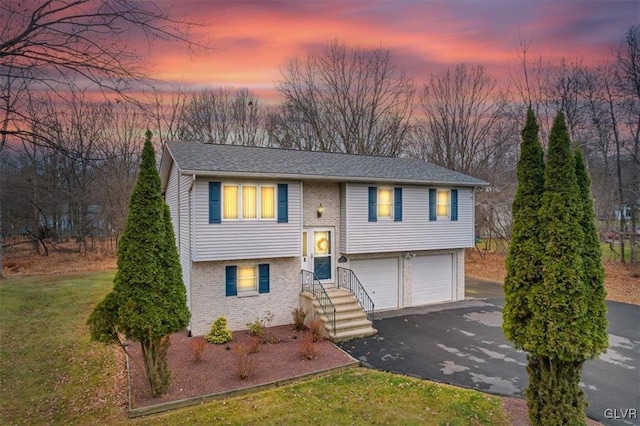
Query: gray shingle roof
pixel 233 160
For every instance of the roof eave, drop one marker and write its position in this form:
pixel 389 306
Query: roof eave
pixel 293 176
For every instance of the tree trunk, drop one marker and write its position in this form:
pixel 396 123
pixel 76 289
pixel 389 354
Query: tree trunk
pixel 154 352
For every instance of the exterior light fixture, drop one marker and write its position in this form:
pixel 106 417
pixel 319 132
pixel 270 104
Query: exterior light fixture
pixel 320 210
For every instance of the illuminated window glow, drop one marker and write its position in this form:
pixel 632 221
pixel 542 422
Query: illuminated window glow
pixel 249 202
pixel 442 204
pixel 230 200
pixel 385 202
pixel 268 202
pixel 247 278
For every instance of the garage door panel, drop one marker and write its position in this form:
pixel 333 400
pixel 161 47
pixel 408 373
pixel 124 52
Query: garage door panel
pixel 432 279
pixel 379 277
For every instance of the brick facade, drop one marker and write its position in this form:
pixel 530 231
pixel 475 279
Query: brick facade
pixel 209 301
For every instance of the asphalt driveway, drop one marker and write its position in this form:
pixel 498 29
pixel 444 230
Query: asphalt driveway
pixel 462 344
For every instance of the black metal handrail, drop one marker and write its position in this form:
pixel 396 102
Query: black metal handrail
pixel 347 279
pixel 313 285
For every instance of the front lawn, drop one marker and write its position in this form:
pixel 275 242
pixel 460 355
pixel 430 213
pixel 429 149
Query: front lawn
pixel 50 373
pixel 354 397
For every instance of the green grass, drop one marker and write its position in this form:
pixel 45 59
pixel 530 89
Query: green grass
pixel 50 373
pixel 354 397
pixel 607 254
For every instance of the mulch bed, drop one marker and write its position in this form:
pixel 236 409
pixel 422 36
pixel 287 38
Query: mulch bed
pixel 218 372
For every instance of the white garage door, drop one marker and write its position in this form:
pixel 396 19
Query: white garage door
pixel 432 279
pixel 379 277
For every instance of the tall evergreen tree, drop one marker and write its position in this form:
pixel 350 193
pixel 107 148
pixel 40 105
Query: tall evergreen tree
pixel 593 274
pixel 148 301
pixel 558 335
pixel 524 268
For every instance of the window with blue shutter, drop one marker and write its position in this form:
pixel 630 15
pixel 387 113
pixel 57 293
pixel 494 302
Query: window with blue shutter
pixel 263 278
pixel 283 203
pixel 454 204
pixel 432 204
pixel 397 204
pixel 214 202
pixel 373 204
pixel 231 288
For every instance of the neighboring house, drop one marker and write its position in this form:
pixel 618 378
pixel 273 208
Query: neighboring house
pixel 248 220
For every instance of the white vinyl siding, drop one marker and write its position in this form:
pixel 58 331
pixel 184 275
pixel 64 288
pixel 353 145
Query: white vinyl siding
pixel 185 233
pixel 415 232
pixel 245 239
pixel 177 198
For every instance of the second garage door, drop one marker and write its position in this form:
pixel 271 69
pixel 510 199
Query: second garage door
pixel 379 277
pixel 432 279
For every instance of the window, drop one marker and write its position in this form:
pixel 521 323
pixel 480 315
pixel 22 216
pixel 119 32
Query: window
pixel 442 203
pixel 248 202
pixel 247 278
pixel 385 203
pixel 268 198
pixel 230 201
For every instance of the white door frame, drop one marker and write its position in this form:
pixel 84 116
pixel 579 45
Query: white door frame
pixel 308 261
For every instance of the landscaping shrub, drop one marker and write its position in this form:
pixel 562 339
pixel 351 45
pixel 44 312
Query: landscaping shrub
pixel 317 330
pixel 298 318
pixel 246 364
pixel 257 327
pixel 198 347
pixel 307 348
pixel 219 333
pixel 254 344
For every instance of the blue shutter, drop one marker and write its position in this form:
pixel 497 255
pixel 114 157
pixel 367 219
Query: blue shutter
pixel 454 204
pixel 263 278
pixel 283 203
pixel 397 204
pixel 231 281
pixel 214 202
pixel 373 204
pixel 432 204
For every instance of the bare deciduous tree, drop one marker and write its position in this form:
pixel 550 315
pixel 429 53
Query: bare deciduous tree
pixel 344 100
pixel 220 115
pixel 462 109
pixel 61 45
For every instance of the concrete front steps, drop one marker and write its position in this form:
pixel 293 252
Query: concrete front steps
pixel 351 320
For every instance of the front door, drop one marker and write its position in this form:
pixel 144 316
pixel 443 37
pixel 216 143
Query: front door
pixel 317 252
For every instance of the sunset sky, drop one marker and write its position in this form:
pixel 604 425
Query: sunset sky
pixel 253 39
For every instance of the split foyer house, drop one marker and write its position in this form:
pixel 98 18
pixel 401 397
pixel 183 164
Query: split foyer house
pixel 264 230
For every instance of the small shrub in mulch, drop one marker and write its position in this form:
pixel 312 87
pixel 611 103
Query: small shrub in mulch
pixel 317 330
pixel 307 348
pixel 198 346
pixel 245 364
pixel 298 315
pixel 254 345
pixel 219 333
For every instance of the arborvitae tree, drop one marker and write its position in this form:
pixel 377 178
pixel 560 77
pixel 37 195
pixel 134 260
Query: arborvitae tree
pixel 593 274
pixel 148 301
pixel 558 336
pixel 524 268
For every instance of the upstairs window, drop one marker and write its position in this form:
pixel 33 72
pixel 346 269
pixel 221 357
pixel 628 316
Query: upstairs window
pixel 248 202
pixel 443 204
pixel 385 203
